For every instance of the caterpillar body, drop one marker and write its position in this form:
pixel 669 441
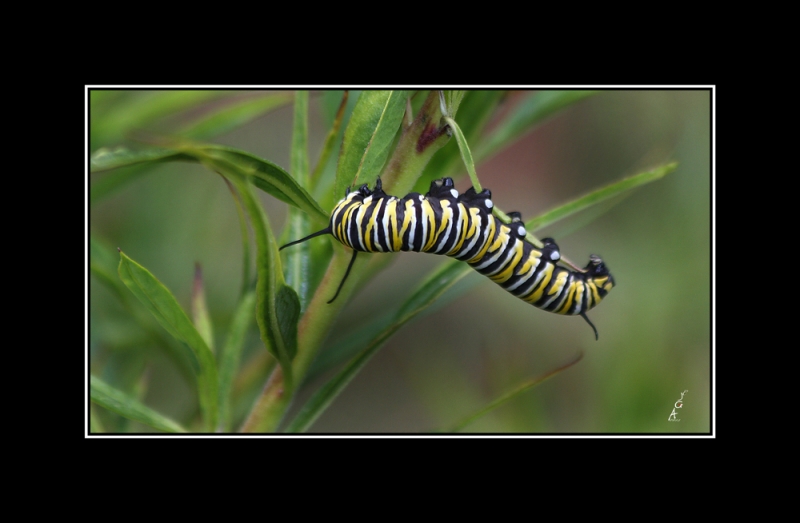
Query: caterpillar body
pixel 462 226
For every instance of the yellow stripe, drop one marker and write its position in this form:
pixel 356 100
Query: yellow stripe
pixel 533 257
pixel 600 280
pixel 594 298
pixel 501 238
pixel 489 236
pixel 447 217
pixel 336 219
pixel 406 220
pixel 537 291
pixel 391 211
pixel 370 225
pixel 338 210
pixel 568 302
pixel 506 274
pixel 561 279
pixel 462 211
pixel 473 226
pixel 343 224
pixel 427 214
pixel 581 290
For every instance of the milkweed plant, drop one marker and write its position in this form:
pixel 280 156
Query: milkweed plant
pixel 401 137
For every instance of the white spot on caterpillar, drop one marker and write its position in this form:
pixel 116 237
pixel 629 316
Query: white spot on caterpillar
pixel 521 230
pixel 555 255
pixel 489 204
pixel 454 193
pixel 421 197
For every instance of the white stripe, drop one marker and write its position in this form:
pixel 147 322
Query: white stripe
pixel 475 237
pixel 412 226
pixel 525 277
pixel 491 260
pixel 385 221
pixel 535 282
pixel 424 219
pixel 359 218
pixel 448 215
pixel 559 292
pixel 579 298
pixel 375 243
pixel 511 252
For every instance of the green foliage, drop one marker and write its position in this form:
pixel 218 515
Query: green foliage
pixel 288 299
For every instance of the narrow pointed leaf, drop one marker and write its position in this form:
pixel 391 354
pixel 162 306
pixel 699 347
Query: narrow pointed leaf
pixel 330 140
pixel 168 312
pixel 297 258
pixel 368 138
pixel 231 354
pixel 599 195
pixel 117 401
pixel 131 164
pixel 277 304
pixel 103 265
pixel 245 238
pixel 505 398
pixel 233 116
pixel 466 155
pixel 265 175
pixel 200 316
pixel 531 112
pixel 109 125
pixel 106 158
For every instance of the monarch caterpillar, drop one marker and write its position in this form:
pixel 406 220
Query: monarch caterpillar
pixel 462 226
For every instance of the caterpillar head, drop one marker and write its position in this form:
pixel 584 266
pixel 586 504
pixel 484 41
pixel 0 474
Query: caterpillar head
pixel 598 271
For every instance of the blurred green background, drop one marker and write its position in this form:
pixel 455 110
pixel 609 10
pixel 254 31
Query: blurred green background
pixel 655 326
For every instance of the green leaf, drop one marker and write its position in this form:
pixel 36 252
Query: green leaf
pixel 299 152
pixel 264 174
pixel 520 389
pixel 599 195
pixel 103 265
pixel 330 140
pixel 466 155
pixel 231 354
pixel 200 316
pixel 428 292
pixel 245 238
pixel 417 144
pixel 473 115
pixel 130 164
pixel 277 305
pixel 233 116
pixel 297 259
pixel 531 112
pixel 105 158
pixel 117 401
pixel 368 138
pixel 139 110
pixel 165 308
